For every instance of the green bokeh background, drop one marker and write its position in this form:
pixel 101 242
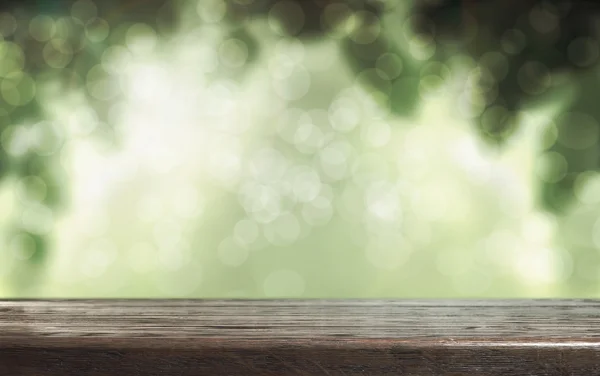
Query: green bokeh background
pixel 171 151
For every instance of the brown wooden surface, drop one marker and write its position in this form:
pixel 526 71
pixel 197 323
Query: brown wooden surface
pixel 299 337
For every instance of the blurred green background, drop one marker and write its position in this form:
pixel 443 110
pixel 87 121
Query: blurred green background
pixel 199 149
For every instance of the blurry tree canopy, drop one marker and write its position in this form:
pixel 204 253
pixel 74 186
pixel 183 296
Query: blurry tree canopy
pixel 529 51
pixel 526 51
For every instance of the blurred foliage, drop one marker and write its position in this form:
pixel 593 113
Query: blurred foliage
pixel 541 41
pixel 518 55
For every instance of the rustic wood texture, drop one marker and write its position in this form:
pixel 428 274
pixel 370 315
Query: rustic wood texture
pixel 299 337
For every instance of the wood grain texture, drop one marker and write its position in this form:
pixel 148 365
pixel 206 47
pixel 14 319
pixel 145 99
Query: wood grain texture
pixel 299 337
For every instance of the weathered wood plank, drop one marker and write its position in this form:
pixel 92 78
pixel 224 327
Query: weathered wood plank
pixel 300 337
